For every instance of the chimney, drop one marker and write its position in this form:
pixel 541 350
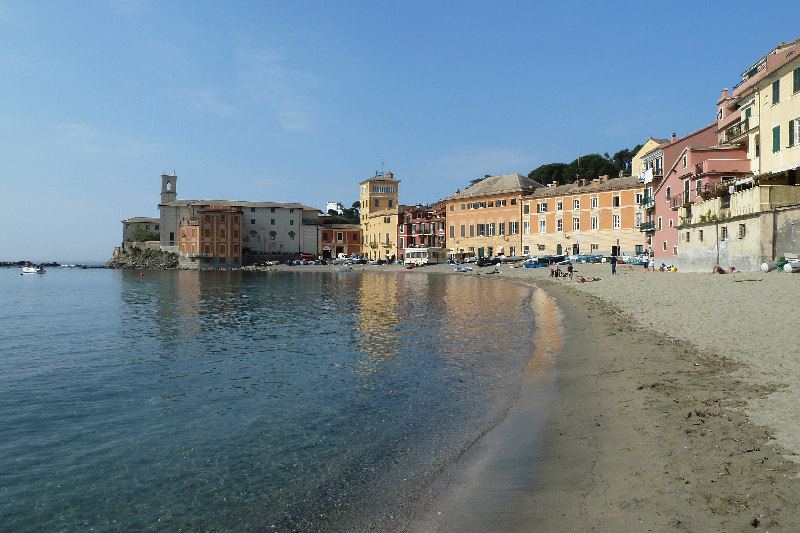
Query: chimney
pixel 555 184
pixel 389 175
pixel 604 179
pixel 673 137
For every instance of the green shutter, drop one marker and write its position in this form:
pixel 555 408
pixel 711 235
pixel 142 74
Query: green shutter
pixel 797 79
pixel 791 133
pixel 776 92
pixel 776 139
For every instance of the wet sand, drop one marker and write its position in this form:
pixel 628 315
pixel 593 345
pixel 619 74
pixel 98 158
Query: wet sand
pixel 674 410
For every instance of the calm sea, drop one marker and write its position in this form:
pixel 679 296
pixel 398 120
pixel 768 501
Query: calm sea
pixel 218 401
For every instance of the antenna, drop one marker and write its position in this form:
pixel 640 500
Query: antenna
pixel 381 165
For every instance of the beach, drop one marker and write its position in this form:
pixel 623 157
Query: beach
pixel 675 412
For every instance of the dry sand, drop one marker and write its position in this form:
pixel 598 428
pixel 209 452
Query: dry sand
pixel 676 411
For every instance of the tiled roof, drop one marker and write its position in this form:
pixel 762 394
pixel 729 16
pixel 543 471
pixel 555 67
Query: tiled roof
pixel 146 220
pixel 498 184
pixel 179 203
pixel 572 188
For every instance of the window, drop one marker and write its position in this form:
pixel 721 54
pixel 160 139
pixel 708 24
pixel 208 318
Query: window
pixel 776 139
pixel 386 220
pixel 513 228
pixel 675 250
pixel 526 250
pixel 542 226
pixel 452 232
pixel 699 189
pixel 559 225
pixel 615 201
pixel 776 92
pixel 796 79
pixel 387 237
pixel 291 210
pixel 542 207
pixel 221 233
pixel 513 202
pixel 576 224
pixel 512 251
pixel 594 202
pixel 594 246
pixel 669 193
pixel 377 203
pixel 670 223
pixel 481 230
pixel 637 220
pixel 742 231
pixel 463 230
pixel 664 246
pixel 687 236
pixel 471 230
pixel 339 236
pixel 324 235
pixel 491 203
pixel 291 222
pixel 271 209
pixel 639 249
pixel 659 225
pixel 684 161
pixel 794 132
pixel 723 233
pixel 700 235
pixel 490 229
pixel 638 198
pixel 272 235
pixel 526 208
pixel 171 236
pixel 559 206
pixel 452 207
pixel 501 228
pixel 616 221
pixel 576 204
pixel 272 222
pixel 594 223
pixel 252 209
pixel 526 227
pixel 463 206
pixel 390 203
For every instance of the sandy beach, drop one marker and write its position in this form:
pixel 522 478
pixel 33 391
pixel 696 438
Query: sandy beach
pixel 675 411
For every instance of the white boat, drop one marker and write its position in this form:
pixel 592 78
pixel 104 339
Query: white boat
pixel 33 270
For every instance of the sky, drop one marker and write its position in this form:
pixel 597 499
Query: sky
pixel 299 101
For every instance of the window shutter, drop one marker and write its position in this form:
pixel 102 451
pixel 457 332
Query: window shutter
pixel 776 139
pixel 791 133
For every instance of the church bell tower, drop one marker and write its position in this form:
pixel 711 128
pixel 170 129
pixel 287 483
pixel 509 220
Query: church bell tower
pixel 168 187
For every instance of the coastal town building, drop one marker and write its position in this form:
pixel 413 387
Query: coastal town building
pixel 640 164
pixel 380 212
pixel 660 220
pixel 485 219
pixel 266 228
pixel 211 240
pixel 422 226
pixel 130 225
pixel 335 239
pixel 598 216
pixel 752 216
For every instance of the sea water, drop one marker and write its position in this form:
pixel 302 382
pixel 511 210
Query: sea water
pixel 250 401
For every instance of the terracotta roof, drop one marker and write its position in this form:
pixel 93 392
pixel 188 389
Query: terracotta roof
pixel 572 188
pixel 201 203
pixel 498 184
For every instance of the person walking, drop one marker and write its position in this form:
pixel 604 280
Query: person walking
pixel 613 265
pixel 569 270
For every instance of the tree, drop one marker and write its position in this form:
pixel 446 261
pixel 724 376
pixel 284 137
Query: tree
pixel 141 234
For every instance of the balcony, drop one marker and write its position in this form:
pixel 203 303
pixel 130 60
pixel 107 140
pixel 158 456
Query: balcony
pixel 373 245
pixel 679 200
pixel 386 244
pixel 647 202
pixel 738 130
pixel 647 226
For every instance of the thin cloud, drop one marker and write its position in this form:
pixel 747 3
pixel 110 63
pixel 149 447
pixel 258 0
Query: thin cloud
pixel 264 78
pixel 83 138
pixel 208 101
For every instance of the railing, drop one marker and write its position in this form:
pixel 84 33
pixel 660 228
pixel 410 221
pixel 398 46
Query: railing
pixel 196 254
pixel 737 130
pixel 647 202
pixel 387 244
pixel 647 226
pixel 678 200
pixel 373 245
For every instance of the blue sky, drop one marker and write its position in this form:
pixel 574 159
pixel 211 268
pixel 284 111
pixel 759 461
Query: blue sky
pixel 300 101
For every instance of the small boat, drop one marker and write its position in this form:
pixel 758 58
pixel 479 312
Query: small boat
pixel 410 267
pixel 33 270
pixel 463 269
pixel 534 265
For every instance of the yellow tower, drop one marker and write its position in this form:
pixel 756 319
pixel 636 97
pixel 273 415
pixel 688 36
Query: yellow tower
pixel 379 216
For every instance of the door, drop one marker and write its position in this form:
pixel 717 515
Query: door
pixel 686 191
pixel 558 250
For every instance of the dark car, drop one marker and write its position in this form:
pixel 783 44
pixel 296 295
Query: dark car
pixel 488 261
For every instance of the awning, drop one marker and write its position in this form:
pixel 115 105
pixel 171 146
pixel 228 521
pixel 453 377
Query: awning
pixel 326 248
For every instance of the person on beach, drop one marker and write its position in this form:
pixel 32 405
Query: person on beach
pixel 581 279
pixel 613 265
pixel 569 271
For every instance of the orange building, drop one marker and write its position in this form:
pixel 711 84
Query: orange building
pixel 485 218
pixel 213 239
pixel 335 239
pixel 600 216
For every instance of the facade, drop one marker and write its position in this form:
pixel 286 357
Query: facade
pixel 132 224
pixel 421 226
pixel 660 220
pixel 639 164
pixel 267 228
pixel 335 239
pixel 380 213
pixel 485 219
pixel 599 216
pixel 213 239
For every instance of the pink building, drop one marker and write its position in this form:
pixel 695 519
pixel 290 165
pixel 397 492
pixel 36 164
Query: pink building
pixel 421 226
pixel 661 220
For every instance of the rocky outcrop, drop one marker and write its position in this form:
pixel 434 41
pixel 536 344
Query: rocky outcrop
pixel 143 259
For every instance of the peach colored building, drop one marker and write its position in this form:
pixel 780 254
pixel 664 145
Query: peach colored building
pixel 485 219
pixel 213 239
pixel 335 239
pixel 599 216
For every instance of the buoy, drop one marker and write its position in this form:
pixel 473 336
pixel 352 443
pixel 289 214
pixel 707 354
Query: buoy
pixel 791 267
pixel 141 274
pixel 769 266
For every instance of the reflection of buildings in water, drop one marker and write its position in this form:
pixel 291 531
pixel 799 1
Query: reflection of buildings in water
pixel 377 326
pixel 549 332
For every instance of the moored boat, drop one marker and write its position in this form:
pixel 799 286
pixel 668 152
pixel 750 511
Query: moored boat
pixel 33 269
